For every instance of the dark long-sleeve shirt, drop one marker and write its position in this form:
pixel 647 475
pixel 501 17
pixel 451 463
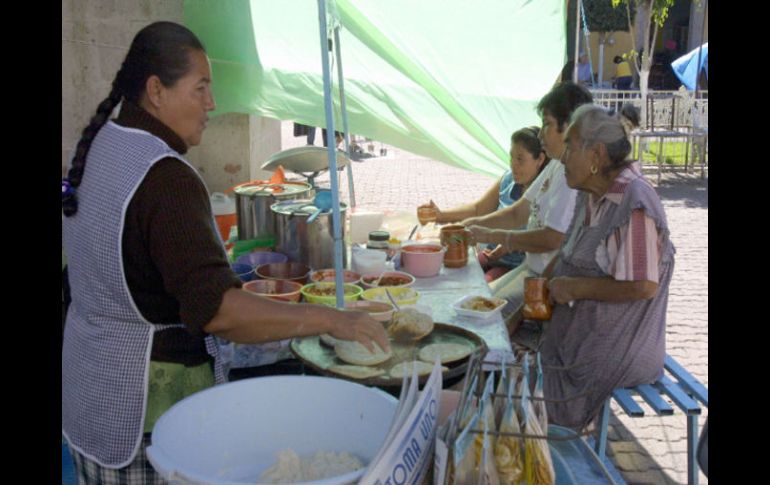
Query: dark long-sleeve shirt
pixel 175 267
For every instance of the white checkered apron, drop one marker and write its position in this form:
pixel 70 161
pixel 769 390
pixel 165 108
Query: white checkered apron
pixel 107 343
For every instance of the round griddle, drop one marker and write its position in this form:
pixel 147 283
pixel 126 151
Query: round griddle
pixel 319 357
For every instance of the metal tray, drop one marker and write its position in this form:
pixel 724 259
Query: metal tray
pixel 319 357
pixel 304 160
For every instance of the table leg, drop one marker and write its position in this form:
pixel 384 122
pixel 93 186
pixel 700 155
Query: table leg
pixel 692 447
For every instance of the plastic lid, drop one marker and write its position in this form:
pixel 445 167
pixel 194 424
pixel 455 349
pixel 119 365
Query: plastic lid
pixel 221 204
pixel 379 236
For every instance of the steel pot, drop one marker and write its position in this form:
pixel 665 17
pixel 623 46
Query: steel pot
pixel 309 243
pixel 253 201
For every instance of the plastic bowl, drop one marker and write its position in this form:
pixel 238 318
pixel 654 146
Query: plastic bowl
pixel 422 260
pixel 388 277
pixel 280 290
pixel 259 258
pixel 380 311
pixel 209 437
pixel 403 295
pixel 244 271
pixel 352 293
pixel 284 271
pixel 328 275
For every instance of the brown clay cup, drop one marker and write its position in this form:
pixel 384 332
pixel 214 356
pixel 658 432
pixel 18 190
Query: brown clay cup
pixel 456 238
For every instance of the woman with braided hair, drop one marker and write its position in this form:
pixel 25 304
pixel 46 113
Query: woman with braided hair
pixel 150 281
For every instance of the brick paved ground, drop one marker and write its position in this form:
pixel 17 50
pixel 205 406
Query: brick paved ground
pixel 645 450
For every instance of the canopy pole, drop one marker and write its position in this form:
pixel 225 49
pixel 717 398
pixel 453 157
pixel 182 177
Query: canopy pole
pixel 700 50
pixel 577 42
pixel 331 150
pixel 346 131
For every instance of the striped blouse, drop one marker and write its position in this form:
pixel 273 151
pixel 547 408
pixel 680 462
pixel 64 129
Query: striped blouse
pixel 632 251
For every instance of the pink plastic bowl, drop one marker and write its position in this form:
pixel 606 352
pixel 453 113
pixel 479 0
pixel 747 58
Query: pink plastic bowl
pixel 422 260
pixel 281 290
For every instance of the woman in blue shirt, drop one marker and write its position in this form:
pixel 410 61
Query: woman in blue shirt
pixel 527 161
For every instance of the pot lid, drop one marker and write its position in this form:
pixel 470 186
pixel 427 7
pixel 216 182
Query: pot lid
pixel 304 159
pixel 263 188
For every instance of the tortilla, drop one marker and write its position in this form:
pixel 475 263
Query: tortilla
pixel 446 352
pixel 405 368
pixel 328 340
pixel 356 371
pixel 410 324
pixel 355 353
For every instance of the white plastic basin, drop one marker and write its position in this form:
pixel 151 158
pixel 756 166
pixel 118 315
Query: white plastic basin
pixel 230 434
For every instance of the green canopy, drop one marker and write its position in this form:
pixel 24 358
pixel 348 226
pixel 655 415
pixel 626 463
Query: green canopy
pixel 447 79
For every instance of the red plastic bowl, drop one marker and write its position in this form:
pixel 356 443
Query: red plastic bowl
pixel 280 290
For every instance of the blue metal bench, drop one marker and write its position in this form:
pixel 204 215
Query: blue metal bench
pixel 685 391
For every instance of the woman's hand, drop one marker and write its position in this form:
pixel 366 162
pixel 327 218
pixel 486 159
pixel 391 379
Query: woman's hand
pixel 361 327
pixel 562 289
pixel 484 234
pixel 496 253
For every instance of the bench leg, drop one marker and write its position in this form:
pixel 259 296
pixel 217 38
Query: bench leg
pixel 604 419
pixel 692 447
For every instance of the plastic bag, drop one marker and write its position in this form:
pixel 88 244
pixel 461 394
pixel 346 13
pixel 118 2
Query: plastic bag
pixel 539 403
pixel 461 469
pixel 538 465
pixel 500 398
pixel 486 471
pixel 509 450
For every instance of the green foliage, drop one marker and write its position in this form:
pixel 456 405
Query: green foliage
pixel 659 8
pixel 601 16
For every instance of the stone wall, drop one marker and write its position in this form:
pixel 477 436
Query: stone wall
pixel 96 35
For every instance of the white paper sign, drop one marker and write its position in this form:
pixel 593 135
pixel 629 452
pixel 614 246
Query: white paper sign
pixel 407 458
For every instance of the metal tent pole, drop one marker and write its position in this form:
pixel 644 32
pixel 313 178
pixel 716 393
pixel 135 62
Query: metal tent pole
pixel 331 150
pixel 577 41
pixel 346 132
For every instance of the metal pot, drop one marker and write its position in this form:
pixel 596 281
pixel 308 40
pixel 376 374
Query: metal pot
pixel 253 201
pixel 312 244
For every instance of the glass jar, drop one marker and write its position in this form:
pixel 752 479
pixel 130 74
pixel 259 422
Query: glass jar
pixel 378 240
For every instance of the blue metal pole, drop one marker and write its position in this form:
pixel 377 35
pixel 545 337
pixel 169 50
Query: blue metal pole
pixel 346 133
pixel 331 149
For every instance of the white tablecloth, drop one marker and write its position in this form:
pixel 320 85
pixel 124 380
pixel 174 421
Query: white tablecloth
pixel 451 284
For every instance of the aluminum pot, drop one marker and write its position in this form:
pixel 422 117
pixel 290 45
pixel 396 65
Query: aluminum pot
pixel 312 244
pixel 253 201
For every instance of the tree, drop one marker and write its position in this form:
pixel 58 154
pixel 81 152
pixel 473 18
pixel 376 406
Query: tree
pixel 655 13
pixel 603 18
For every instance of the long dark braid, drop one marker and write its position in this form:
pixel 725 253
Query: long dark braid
pixel 69 199
pixel 160 49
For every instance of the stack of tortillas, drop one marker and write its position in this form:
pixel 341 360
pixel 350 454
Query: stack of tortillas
pixel 446 352
pixel 355 353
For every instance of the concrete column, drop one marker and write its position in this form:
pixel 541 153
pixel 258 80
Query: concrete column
pixel 96 35
pixel 264 141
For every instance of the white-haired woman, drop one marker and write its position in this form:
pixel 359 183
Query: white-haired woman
pixel 614 266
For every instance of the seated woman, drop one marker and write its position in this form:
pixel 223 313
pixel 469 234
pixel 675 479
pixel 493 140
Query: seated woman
pixel 546 208
pixel 614 269
pixel 527 161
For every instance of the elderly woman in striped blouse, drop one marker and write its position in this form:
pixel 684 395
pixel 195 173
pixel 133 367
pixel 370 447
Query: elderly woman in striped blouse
pixel 610 279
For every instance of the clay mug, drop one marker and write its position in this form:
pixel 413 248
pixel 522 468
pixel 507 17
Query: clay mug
pixel 456 238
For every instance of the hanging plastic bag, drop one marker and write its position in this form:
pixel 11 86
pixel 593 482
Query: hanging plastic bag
pixel 461 469
pixel 502 386
pixel 538 464
pixel 509 450
pixel 486 471
pixel 538 403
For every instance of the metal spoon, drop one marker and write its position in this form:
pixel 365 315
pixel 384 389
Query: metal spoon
pixel 390 297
